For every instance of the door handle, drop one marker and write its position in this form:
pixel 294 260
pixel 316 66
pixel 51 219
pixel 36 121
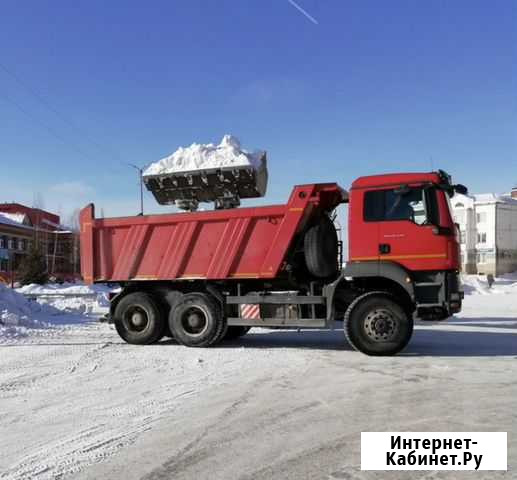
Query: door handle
pixel 384 248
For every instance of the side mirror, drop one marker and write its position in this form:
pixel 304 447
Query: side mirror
pixel 461 189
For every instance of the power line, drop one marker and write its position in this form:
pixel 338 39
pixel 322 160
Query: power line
pixel 56 112
pixel 44 126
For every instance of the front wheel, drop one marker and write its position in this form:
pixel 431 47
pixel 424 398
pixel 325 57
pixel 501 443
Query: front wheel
pixel 376 324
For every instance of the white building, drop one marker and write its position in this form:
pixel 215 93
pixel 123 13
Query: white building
pixel 488 229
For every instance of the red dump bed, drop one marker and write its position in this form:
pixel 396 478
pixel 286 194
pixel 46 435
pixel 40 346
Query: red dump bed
pixel 218 244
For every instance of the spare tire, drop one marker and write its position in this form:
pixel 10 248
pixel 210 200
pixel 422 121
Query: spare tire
pixel 321 248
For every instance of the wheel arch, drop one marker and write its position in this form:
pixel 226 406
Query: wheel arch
pixel 364 276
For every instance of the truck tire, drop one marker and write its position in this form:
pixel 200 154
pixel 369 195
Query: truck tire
pixel 235 332
pixel 196 320
pixel 376 324
pixel 321 248
pixel 169 300
pixel 139 319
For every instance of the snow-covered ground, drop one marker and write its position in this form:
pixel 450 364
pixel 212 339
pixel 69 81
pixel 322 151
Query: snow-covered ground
pixel 76 402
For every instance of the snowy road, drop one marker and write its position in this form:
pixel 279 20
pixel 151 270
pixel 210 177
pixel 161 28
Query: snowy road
pixel 77 403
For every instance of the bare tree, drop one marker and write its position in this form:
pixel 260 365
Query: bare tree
pixel 72 221
pixel 38 201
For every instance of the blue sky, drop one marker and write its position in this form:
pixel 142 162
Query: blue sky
pixel 373 87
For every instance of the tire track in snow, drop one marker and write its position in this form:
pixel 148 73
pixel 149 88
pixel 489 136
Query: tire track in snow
pixel 21 384
pixel 89 356
pixel 204 445
pixel 92 445
pixel 121 427
pixel 88 417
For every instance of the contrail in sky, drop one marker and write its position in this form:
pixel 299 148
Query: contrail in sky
pixel 302 11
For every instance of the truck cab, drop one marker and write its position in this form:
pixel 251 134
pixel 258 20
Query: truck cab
pixel 401 228
pixel 404 218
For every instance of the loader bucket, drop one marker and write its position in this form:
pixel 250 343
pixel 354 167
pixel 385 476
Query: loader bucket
pixel 223 186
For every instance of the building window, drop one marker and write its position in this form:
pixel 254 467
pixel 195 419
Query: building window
pixel 482 237
pixel 3 241
pixel 463 236
pixel 23 245
pixel 11 244
pixel 481 217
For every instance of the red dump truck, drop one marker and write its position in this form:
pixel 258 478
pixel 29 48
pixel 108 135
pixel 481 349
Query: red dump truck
pixel 201 277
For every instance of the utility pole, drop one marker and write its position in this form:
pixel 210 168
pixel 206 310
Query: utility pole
pixel 140 171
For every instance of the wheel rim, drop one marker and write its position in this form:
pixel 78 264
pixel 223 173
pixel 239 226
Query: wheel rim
pixel 381 325
pixel 194 321
pixel 136 319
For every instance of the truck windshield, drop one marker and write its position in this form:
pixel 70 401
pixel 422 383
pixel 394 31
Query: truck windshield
pixel 417 205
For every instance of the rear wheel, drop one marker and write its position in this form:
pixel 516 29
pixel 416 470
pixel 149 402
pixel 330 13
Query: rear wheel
pixel 139 319
pixel 196 320
pixel 376 324
pixel 235 332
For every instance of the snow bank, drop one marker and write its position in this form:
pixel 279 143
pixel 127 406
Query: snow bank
pixel 18 313
pixel 228 153
pixel 478 285
pixel 67 306
pixel 489 306
pixel 71 297
pixel 64 288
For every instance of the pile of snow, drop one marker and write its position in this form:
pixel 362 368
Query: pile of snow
pixel 65 288
pixel 66 306
pixel 71 297
pixel 18 313
pixel 478 285
pixel 496 305
pixel 228 153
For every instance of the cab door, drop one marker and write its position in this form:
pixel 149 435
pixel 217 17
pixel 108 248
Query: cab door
pixel 409 232
pixel 363 230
